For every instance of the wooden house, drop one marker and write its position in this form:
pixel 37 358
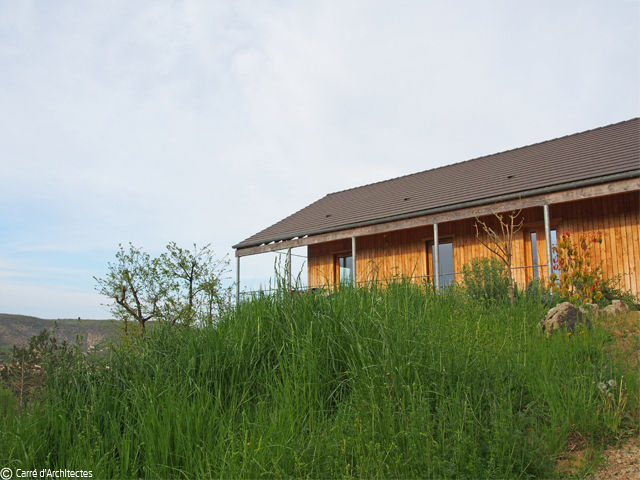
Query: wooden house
pixel 422 225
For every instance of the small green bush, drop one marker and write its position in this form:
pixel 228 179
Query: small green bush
pixel 485 279
pixel 612 290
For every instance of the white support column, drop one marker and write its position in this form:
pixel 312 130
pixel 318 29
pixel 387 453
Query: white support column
pixel 289 269
pixel 436 258
pixel 353 259
pixel 237 281
pixel 547 238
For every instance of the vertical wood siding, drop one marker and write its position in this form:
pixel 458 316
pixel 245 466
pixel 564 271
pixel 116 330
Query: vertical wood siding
pixel 404 252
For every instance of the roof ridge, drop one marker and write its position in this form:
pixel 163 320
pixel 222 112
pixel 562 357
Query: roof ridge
pixel 483 156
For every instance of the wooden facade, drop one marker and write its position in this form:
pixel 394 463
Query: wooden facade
pixel 404 252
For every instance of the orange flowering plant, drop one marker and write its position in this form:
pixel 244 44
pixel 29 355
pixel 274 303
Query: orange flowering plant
pixel 579 280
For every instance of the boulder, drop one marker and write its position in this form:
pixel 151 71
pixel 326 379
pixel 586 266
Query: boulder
pixel 563 315
pixel 590 309
pixel 617 307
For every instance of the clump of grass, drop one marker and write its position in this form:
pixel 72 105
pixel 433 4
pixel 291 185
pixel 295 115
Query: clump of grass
pixel 399 382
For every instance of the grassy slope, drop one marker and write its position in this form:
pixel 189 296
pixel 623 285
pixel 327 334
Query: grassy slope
pixel 361 384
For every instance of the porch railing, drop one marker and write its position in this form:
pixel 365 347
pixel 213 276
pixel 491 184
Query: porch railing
pixel 520 276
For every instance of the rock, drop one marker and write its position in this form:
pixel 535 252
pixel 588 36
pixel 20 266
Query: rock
pixel 563 315
pixel 590 309
pixel 617 307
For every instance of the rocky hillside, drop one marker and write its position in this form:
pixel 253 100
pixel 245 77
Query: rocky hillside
pixel 18 329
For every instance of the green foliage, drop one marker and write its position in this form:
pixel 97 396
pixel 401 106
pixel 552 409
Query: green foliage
pixel 485 279
pixel 180 286
pixel 539 292
pixel 193 282
pixel 375 383
pixel 134 284
pixel 24 373
pixel 611 290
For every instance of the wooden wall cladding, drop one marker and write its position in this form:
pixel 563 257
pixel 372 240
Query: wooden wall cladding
pixel 404 252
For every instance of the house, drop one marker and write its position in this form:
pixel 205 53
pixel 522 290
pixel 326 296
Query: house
pixel 422 225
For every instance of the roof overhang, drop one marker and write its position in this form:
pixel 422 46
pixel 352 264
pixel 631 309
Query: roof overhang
pixel 566 192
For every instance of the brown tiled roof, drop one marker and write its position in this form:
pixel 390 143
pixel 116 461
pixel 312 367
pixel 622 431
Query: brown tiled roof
pixel 593 156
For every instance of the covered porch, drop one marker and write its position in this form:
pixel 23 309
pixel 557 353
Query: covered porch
pixel 433 247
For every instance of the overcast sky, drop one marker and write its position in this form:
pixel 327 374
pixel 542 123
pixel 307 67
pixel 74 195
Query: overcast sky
pixel 186 121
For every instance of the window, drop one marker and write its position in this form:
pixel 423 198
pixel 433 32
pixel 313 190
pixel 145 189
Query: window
pixel 536 267
pixel 445 253
pixel 344 269
pixel 554 254
pixel 534 255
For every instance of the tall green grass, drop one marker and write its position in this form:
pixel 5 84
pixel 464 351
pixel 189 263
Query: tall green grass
pixel 360 383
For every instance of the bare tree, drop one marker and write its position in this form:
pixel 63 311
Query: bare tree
pixel 500 241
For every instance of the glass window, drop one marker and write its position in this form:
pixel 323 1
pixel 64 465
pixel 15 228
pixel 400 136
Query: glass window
pixel 534 255
pixel 554 254
pixel 344 269
pixel 445 251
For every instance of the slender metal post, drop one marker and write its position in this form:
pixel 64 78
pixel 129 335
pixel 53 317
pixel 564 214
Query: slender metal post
pixel 289 269
pixel 237 281
pixel 547 238
pixel 436 258
pixel 353 259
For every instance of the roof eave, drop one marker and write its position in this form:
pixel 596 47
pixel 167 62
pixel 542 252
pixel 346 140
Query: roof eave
pixel 456 206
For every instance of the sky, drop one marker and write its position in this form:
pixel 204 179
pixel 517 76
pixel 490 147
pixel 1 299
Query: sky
pixel 207 121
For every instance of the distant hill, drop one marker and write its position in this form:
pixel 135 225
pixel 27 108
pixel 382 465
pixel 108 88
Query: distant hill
pixel 18 329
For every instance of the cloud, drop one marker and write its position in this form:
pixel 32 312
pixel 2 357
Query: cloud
pixel 208 121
